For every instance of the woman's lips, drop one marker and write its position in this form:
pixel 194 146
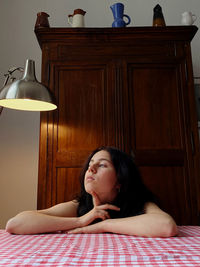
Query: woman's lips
pixel 90 178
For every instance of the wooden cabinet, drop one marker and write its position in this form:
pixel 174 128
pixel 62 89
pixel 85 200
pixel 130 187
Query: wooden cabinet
pixel 126 87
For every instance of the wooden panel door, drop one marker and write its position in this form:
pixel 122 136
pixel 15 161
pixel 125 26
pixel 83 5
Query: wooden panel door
pixel 159 134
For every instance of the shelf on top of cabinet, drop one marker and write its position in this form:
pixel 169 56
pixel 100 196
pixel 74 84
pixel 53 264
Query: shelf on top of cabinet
pixel 85 34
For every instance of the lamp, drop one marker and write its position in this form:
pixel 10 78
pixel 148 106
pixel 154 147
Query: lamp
pixel 26 93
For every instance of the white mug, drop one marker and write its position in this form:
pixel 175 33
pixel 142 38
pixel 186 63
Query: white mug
pixel 188 18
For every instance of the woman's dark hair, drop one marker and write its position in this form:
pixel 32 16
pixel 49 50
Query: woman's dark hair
pixel 133 193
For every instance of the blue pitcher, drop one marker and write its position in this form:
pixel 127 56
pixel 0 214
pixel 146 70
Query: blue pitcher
pixel 118 14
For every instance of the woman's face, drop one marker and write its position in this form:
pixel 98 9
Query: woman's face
pixel 101 177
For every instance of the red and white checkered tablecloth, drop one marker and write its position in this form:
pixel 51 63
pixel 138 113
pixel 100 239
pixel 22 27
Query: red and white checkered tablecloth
pixel 100 249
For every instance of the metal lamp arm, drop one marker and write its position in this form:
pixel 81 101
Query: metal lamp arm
pixel 9 74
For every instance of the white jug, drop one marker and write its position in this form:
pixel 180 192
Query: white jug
pixel 77 19
pixel 188 18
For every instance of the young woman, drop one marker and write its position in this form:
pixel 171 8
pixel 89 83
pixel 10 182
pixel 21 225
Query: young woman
pixel 113 199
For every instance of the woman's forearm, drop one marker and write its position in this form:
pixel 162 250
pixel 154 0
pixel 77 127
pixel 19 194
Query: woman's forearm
pixel 147 225
pixel 33 222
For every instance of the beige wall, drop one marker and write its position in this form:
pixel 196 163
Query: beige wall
pixel 19 130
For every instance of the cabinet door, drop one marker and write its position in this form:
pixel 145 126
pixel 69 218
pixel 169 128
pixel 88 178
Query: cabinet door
pixel 158 134
pixel 85 120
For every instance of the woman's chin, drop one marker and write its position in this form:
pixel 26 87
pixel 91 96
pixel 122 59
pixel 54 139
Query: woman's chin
pixel 89 188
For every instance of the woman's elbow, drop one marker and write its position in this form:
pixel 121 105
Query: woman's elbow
pixel 10 226
pixel 14 226
pixel 170 228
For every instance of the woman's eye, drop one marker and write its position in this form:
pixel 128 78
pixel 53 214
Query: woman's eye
pixel 102 165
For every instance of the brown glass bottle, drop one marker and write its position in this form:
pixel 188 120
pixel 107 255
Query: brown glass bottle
pixel 158 18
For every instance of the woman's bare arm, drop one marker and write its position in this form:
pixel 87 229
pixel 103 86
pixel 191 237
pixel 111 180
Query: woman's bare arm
pixel 154 223
pixel 57 218
pixel 61 217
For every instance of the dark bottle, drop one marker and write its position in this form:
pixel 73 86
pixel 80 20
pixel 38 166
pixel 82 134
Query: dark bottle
pixel 158 18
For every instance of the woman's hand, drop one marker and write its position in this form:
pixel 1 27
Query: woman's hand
pixel 98 212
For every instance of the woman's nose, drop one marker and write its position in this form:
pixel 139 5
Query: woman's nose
pixel 92 168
